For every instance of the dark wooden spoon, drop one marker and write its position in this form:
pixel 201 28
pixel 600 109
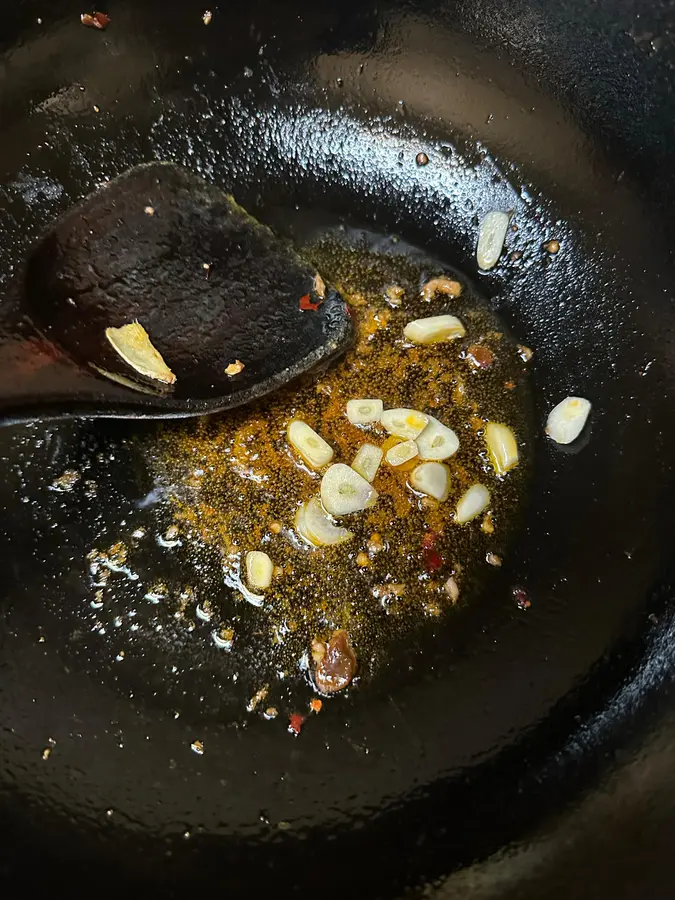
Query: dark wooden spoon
pixel 211 286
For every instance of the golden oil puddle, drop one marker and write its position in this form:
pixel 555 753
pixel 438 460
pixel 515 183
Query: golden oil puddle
pixel 235 483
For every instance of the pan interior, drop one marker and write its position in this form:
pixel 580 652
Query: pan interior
pixel 487 698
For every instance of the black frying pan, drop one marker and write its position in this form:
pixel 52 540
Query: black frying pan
pixel 543 732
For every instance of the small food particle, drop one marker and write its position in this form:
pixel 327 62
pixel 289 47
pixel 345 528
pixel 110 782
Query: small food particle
pixel 295 723
pixel 96 20
pixel 451 589
pixel 395 294
pixel 433 561
pixel 479 356
pixel 319 286
pixel 493 560
pixel 447 286
pixel 401 453
pixel 132 343
pixel 521 597
pixel 375 543
pixel 525 353
pixel 234 368
pixel 276 527
pixel 311 446
pixel 404 423
pixel 314 524
pixel 433 329
pixel 566 421
pixel 149 210
pixel 491 237
pixel 306 303
pixel 388 590
pixel 437 441
pixel 258 697
pixel 259 570
pixel 46 753
pixel 66 482
pixel 364 412
pixel 335 670
pixel 487 526
pixel 362 560
pixel 422 159
pixel 502 447
pixel 207 18
pixel 197 747
pixel 271 712
pixel 315 705
pixel 344 491
pixel 431 478
pixel 552 246
pixel 472 503
pixel 367 461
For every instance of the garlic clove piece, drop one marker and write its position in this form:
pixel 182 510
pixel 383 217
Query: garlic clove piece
pixel 472 503
pixel 502 447
pixel 431 478
pixel 344 491
pixel 364 412
pixel 401 453
pixel 491 237
pixel 259 570
pixel 310 445
pixel 367 461
pixel 404 423
pixel 433 329
pixel 437 441
pixel 566 421
pixel 313 523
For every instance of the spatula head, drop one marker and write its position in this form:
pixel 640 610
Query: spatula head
pixel 210 285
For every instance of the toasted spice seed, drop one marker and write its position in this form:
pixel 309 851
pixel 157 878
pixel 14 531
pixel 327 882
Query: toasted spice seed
pixel 493 560
pixel 271 712
pixel 552 246
pixel 375 543
pixel 422 159
pixel 487 525
pixel 149 210
pixel 480 356
pixel 275 527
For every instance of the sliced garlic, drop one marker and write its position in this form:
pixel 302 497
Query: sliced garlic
pixel 367 461
pixel 491 237
pixel 259 570
pixel 344 491
pixel 502 447
pixel 472 503
pixel 404 423
pixel 310 445
pixel 364 412
pixel 314 524
pixel 132 343
pixel 433 329
pixel 437 441
pixel 431 478
pixel 401 453
pixel 566 420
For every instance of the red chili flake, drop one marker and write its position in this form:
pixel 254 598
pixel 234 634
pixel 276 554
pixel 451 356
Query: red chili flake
pixel 315 705
pixel 521 597
pixel 295 723
pixel 433 561
pixel 306 303
pixel 97 20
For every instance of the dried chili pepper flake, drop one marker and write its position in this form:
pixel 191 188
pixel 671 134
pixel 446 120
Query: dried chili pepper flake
pixel 295 723
pixel 306 303
pixel 95 20
pixel 521 597
pixel 315 705
pixel 433 561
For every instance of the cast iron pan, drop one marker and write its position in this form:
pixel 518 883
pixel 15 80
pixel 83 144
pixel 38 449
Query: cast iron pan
pixel 506 753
